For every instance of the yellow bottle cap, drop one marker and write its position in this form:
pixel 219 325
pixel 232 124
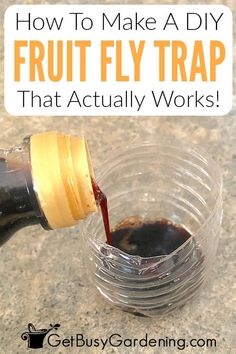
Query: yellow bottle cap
pixel 62 177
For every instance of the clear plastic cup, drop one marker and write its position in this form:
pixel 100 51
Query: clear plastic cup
pixel 156 181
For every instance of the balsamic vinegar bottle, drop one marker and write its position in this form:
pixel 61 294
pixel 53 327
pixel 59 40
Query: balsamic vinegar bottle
pixel 47 180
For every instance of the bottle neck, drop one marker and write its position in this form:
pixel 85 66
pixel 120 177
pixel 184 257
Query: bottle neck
pixel 32 196
pixel 62 178
pixel 18 202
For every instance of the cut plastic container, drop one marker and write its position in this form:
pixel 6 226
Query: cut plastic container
pixel 155 181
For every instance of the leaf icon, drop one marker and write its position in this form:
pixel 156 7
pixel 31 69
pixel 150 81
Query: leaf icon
pixel 31 327
pixel 56 326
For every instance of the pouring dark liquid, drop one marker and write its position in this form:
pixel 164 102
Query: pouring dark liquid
pixel 139 237
pixel 101 200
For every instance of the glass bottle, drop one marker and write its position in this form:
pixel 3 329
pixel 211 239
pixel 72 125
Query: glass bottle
pixel 46 180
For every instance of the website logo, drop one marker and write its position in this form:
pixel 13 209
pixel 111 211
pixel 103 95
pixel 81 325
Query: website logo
pixel 35 337
pixel 39 338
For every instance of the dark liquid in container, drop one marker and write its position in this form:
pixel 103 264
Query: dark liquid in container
pixel 148 238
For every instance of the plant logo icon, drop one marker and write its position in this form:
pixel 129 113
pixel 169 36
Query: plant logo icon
pixel 35 336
